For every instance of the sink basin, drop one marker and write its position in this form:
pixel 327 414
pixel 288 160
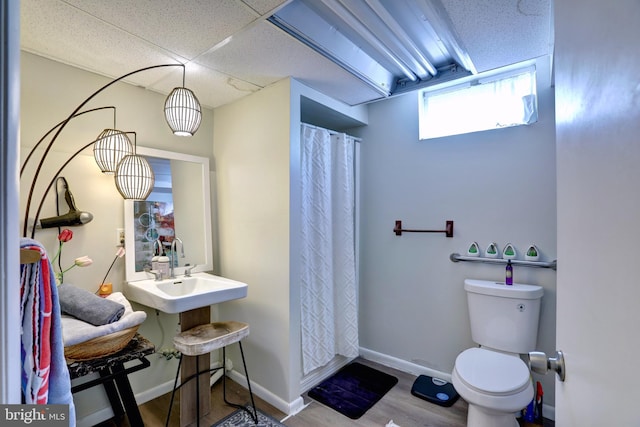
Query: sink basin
pixel 184 293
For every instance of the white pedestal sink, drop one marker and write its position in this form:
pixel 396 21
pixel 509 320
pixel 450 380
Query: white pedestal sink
pixel 184 293
pixel 192 298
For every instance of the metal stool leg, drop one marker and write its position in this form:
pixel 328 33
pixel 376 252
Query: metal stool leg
pixel 173 392
pixel 246 372
pixel 186 380
pixel 224 378
pixel 197 391
pixel 253 414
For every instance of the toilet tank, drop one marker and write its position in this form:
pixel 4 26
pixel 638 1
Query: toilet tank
pixel 504 317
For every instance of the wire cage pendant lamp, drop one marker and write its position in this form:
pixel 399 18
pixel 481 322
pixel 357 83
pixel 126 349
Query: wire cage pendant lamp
pixel 182 110
pixel 134 177
pixel 110 147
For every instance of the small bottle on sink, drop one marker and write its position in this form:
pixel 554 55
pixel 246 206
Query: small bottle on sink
pixel 163 266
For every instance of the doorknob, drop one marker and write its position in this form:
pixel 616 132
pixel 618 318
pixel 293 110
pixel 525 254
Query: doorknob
pixel 540 363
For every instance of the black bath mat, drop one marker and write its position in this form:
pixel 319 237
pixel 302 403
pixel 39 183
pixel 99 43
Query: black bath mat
pixel 353 390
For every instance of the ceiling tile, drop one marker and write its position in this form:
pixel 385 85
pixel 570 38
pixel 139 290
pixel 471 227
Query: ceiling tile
pixel 264 6
pixel 264 54
pixel 212 88
pixel 63 33
pixel 186 28
pixel 502 32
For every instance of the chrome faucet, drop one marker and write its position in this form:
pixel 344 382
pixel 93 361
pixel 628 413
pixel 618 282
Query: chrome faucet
pixel 157 243
pixel 173 254
pixel 157 275
pixel 187 270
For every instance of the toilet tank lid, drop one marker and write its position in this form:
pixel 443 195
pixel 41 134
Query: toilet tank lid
pixel 516 291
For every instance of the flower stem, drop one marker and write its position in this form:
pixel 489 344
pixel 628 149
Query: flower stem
pixel 55 257
pixel 108 271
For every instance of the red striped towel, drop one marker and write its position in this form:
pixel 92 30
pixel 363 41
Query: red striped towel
pixel 35 311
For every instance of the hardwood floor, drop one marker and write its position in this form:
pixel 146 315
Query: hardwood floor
pixel 398 405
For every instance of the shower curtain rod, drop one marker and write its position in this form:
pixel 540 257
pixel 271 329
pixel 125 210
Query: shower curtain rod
pixel 331 131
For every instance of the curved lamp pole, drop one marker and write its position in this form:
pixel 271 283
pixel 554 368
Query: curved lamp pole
pixel 33 150
pixel 61 126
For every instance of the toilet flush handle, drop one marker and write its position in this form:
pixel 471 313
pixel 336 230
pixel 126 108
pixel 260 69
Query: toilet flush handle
pixel 540 363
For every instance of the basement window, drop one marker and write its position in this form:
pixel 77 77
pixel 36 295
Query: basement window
pixel 487 103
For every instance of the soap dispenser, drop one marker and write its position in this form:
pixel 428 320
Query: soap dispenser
pixel 163 266
pixel 474 249
pixel 156 254
pixel 532 254
pixel 492 250
pixel 509 251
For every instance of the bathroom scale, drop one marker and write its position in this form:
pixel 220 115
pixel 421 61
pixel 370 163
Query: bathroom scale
pixel 434 390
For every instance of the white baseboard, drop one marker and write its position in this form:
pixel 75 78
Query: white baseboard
pixel 289 408
pixel 152 393
pixel 95 418
pixel 317 376
pixel 107 413
pixel 402 365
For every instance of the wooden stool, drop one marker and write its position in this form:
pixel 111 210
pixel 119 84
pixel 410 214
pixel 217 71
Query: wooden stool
pixel 204 339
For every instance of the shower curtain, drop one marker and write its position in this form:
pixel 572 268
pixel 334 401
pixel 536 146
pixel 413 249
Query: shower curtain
pixel 328 283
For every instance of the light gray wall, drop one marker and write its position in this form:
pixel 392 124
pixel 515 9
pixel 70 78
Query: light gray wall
pixel 496 185
pixel 251 147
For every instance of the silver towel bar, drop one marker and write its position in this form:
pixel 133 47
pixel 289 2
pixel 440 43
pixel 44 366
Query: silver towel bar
pixel 454 257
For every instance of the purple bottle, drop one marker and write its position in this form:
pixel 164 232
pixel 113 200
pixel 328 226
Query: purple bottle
pixel 509 274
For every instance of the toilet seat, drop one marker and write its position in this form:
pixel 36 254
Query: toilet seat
pixel 492 373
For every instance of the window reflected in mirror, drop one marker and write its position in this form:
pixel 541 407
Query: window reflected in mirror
pixel 154 224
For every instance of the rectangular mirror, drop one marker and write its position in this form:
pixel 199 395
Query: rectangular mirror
pixel 178 207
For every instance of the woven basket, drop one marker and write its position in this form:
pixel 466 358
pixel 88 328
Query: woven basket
pixel 100 346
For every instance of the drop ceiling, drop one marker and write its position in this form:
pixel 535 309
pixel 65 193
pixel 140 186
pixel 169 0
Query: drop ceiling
pixel 356 51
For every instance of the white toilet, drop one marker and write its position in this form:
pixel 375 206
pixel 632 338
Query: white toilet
pixel 492 378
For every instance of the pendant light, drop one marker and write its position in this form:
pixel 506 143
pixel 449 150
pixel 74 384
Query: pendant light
pixel 182 110
pixel 134 176
pixel 109 148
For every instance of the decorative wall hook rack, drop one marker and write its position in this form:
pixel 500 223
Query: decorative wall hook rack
pixel 553 265
pixel 448 231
